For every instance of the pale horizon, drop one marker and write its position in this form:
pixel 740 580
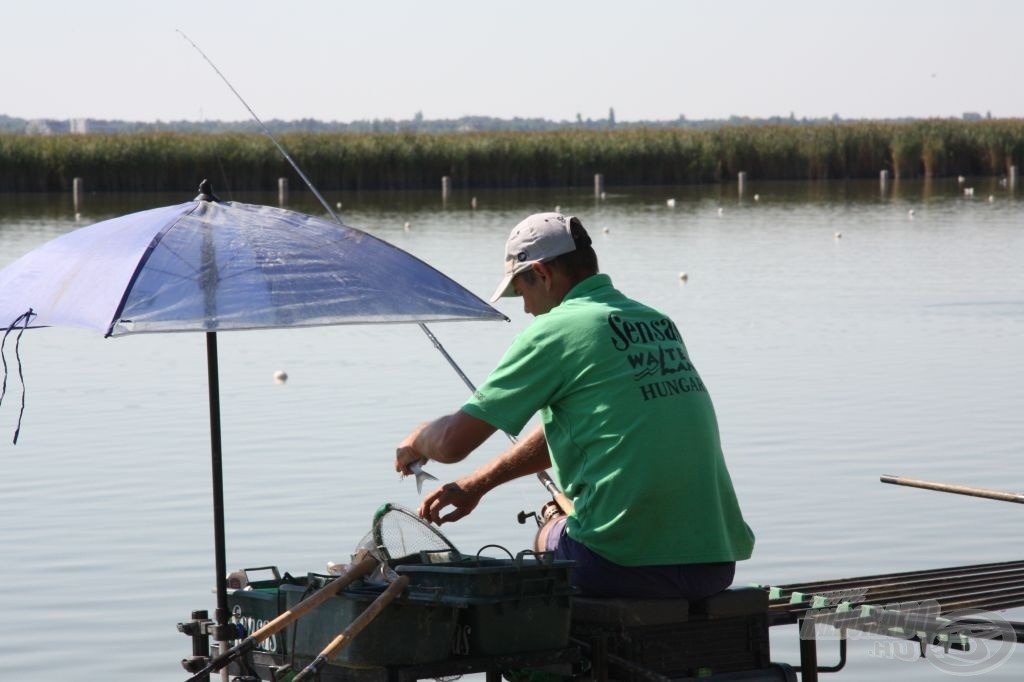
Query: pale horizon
pixel 338 61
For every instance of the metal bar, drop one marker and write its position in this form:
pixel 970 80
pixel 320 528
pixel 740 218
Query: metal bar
pixel 1016 626
pixel 953 597
pixel 219 544
pixel 934 590
pixel 830 668
pixel 900 577
pixel 956 489
pixel 999 604
pixel 808 652
pixel 564 503
pixel 996 586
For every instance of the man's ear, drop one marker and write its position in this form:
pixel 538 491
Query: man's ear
pixel 543 271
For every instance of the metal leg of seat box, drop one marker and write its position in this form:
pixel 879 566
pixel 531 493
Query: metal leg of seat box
pixel 599 658
pixel 809 667
pixel 808 650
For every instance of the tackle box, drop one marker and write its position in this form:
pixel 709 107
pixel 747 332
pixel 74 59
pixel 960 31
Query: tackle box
pixel 414 628
pixel 254 603
pixel 505 606
pixel 454 606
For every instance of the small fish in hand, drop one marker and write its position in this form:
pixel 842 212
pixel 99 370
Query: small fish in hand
pixel 421 475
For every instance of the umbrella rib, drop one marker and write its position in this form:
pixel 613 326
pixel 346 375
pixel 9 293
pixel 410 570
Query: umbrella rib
pixel 141 264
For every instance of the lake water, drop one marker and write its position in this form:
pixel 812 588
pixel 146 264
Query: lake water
pixel 841 337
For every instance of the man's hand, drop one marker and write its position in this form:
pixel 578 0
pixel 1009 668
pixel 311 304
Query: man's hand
pixel 462 494
pixel 446 439
pixel 407 453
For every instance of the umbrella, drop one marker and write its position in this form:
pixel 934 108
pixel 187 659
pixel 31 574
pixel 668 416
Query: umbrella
pixel 210 266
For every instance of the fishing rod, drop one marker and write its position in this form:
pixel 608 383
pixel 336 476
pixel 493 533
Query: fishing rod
pixel 563 502
pixel 560 498
pixel 265 129
pixel 954 488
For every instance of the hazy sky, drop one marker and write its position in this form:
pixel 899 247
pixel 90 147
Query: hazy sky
pixel 342 60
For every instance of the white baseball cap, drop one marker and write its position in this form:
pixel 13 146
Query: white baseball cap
pixel 539 238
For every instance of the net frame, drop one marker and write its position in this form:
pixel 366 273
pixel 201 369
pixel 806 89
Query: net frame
pixel 399 535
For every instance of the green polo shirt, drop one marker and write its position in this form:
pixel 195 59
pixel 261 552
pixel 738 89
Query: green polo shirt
pixel 630 426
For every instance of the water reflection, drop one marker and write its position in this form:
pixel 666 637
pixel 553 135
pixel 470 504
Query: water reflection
pixel 894 349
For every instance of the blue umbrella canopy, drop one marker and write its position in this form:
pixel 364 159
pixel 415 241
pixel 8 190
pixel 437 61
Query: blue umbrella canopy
pixel 217 266
pixel 214 266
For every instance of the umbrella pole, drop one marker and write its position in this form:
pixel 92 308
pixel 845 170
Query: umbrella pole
pixel 218 486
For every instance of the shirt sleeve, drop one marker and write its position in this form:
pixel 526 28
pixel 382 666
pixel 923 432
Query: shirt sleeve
pixel 525 380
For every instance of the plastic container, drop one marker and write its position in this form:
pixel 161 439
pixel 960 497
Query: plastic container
pixel 498 626
pixel 258 603
pixel 412 629
pixel 528 574
pixel 506 606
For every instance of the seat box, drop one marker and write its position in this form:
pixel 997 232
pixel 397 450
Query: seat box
pixel 724 633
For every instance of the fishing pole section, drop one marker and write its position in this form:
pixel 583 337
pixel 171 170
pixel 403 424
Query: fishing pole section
pixel 559 498
pixel 563 502
pixel 201 629
pixel 987 493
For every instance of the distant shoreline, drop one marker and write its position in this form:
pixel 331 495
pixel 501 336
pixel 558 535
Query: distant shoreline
pixel 171 161
pixel 419 124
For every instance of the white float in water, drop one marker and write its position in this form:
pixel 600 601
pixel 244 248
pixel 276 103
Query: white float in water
pixel 671 203
pixel 683 277
pixel 838 235
pixel 280 376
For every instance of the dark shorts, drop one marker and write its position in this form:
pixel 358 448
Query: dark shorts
pixel 595 576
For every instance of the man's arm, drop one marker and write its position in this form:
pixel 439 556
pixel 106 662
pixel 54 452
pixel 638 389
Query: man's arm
pixel 447 439
pixel 528 456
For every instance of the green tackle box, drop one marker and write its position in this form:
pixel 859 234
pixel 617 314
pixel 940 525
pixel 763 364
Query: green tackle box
pixel 529 574
pixel 505 606
pixel 414 628
pixel 254 603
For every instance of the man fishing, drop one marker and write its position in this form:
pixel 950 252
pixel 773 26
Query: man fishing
pixel 627 426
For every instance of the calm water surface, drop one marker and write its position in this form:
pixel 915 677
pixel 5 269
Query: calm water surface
pixel 893 349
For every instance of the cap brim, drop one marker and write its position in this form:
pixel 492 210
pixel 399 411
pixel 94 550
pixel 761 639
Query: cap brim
pixel 504 287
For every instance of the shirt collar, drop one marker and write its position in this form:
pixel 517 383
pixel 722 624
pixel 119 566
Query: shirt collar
pixel 588 286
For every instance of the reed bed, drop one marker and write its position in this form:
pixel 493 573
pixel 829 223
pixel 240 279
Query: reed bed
pixel 242 162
